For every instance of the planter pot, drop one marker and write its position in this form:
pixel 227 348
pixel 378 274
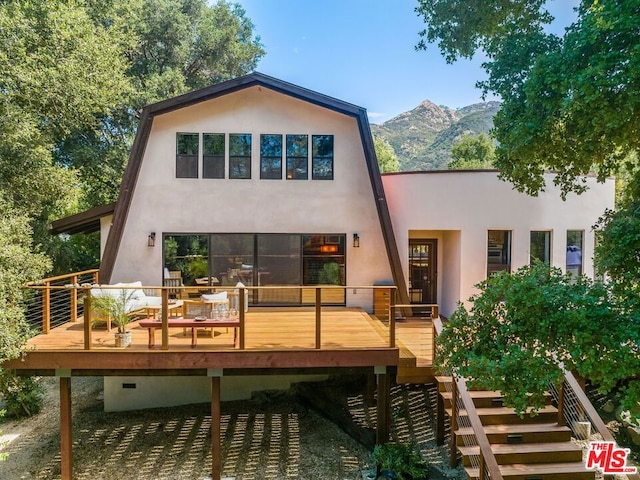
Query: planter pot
pixel 123 339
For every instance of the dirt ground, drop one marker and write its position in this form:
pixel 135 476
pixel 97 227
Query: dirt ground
pixel 273 436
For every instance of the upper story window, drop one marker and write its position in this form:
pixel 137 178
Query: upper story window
pixel 540 247
pixel 297 157
pixel 271 156
pixel 322 157
pixel 213 155
pixel 240 155
pixel 498 251
pixel 187 149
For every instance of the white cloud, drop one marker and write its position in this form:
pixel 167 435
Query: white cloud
pixel 375 114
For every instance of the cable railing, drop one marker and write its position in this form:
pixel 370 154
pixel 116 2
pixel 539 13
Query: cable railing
pixel 577 412
pixel 465 416
pixel 58 300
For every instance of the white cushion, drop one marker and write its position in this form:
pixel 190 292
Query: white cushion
pixel 214 297
pixel 132 290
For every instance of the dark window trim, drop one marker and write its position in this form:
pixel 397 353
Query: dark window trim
pixel 245 158
pixel 221 158
pixel 314 158
pixel 188 157
pixel 263 157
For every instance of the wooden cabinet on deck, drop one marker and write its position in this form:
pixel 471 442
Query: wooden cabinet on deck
pixel 381 299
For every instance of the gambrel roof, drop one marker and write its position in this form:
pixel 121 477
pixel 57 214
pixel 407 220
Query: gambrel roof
pixel 225 88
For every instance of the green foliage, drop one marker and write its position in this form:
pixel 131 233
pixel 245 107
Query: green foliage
pixel 570 102
pixel 330 274
pixel 113 306
pixel 401 459
pixel 18 265
pixel 387 158
pixel 22 396
pixel 521 325
pixel 473 152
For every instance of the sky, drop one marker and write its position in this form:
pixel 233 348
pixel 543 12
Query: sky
pixel 363 52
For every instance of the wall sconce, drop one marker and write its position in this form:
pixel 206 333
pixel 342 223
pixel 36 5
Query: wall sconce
pixel 356 240
pixel 151 241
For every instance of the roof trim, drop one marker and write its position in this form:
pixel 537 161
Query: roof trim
pixel 83 222
pixel 253 79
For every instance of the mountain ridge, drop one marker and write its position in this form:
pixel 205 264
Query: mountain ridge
pixel 423 136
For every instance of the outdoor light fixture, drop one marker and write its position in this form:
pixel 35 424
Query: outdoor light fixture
pixel 356 240
pixel 151 241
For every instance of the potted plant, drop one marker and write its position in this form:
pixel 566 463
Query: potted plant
pixel 399 461
pixel 114 307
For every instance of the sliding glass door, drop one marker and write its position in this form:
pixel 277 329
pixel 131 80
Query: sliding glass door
pixel 207 261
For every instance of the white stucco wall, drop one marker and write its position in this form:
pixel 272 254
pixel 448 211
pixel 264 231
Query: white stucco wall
pixel 458 208
pixel 154 392
pixel 163 203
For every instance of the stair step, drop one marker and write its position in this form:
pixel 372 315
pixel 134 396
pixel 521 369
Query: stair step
pixel 481 398
pixel 505 415
pixel 443 381
pixel 529 453
pixel 521 433
pixel 542 471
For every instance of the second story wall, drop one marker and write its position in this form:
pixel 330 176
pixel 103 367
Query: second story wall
pixel 164 204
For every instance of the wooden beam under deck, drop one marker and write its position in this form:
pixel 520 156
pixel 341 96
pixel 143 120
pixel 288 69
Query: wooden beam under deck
pixel 176 360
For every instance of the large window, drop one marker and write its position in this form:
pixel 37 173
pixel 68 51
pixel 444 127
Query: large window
pixel 575 240
pixel 498 251
pixel 540 247
pixel 240 155
pixel 213 155
pixel 206 261
pixel 322 157
pixel 298 157
pixel 187 146
pixel 271 156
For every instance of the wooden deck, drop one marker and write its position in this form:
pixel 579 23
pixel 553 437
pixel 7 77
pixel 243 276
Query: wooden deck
pixel 268 330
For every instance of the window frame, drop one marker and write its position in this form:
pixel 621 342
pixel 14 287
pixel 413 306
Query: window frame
pixel 191 159
pixel 548 234
pixel 316 159
pixel 241 159
pixel 217 159
pixel 291 158
pixel 265 175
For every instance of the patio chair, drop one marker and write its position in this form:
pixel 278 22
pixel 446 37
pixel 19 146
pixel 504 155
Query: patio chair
pixel 173 279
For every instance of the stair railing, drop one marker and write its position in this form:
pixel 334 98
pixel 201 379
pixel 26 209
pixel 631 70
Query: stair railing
pixel 485 462
pixel 579 414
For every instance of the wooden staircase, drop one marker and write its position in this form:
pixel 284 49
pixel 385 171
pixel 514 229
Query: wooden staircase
pixel 528 448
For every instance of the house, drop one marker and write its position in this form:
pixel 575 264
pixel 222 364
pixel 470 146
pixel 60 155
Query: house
pixel 255 182
pixel 265 183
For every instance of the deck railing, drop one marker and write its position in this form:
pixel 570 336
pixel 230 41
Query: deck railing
pixel 67 298
pixel 465 415
pixel 577 412
pixel 57 300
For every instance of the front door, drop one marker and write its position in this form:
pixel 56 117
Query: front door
pixel 423 271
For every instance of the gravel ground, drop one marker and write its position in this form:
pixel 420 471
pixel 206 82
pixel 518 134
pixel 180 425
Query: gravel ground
pixel 269 437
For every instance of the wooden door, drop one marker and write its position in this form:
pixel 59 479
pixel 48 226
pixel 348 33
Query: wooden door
pixel 423 271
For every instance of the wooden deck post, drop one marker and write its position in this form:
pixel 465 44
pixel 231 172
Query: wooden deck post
pixel 384 406
pixel 216 453
pixel 561 405
pixel 46 308
pixel 370 392
pixel 74 299
pixel 88 340
pixel 392 318
pixel 66 441
pixel 165 319
pixel 318 317
pixel 242 304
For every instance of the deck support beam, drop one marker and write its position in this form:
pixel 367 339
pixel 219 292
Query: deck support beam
pixel 384 406
pixel 216 447
pixel 66 440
